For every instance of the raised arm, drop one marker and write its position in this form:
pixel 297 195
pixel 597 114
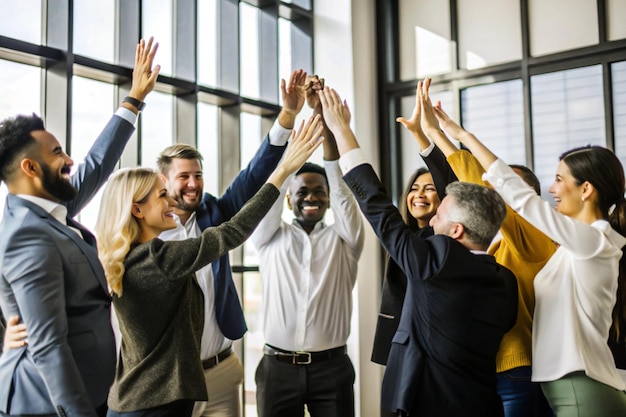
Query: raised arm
pixel 107 149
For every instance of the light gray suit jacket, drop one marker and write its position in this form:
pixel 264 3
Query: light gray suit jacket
pixel 53 280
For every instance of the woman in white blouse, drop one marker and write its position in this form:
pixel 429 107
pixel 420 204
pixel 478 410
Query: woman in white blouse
pixel 576 290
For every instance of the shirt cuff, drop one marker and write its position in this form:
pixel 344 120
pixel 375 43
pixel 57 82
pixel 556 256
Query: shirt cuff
pixel 127 115
pixel 352 159
pixel 496 173
pixel 426 152
pixel 278 134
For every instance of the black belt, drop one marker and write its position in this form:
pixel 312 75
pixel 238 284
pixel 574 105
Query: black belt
pixel 303 358
pixel 214 360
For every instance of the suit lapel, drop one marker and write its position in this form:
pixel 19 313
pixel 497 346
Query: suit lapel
pixel 87 245
pixel 89 250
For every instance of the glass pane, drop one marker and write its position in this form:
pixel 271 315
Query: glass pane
pixel 92 107
pixel 250 125
pixel 94 29
pixel 495 114
pixel 208 146
pixel 249 50
pixel 23 22
pixel 425 45
pixel 20 89
pixel 489 38
pixel 284 50
pixel 550 32
pixel 615 12
pixel 156 20
pixel 619 108
pixel 207 42
pixel 411 159
pixel 21 83
pixel 567 112
pixel 157 127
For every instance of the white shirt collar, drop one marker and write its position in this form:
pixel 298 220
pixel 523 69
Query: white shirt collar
pixel 56 210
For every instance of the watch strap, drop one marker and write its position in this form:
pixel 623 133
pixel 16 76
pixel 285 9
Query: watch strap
pixel 138 104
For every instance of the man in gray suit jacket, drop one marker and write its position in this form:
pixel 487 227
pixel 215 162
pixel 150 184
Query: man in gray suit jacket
pixel 50 275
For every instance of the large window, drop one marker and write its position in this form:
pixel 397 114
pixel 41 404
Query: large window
pixel 530 78
pixel 221 61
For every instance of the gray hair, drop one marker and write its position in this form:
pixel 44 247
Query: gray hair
pixel 479 209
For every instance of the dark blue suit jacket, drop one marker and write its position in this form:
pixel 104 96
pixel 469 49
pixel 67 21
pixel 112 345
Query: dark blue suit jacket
pixel 214 211
pixel 53 280
pixel 458 305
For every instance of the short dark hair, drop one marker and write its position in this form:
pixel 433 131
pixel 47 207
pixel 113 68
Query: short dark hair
pixel 180 151
pixel 312 168
pixel 529 177
pixel 16 140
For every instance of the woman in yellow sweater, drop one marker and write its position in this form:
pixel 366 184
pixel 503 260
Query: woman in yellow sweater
pixel 524 250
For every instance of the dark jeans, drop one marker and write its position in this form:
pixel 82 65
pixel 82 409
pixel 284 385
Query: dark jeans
pixel 520 396
pixel 325 387
pixel 181 408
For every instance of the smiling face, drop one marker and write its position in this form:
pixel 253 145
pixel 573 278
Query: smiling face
pixel 423 200
pixel 308 198
pixel 185 183
pixel 155 213
pixel 55 167
pixel 567 192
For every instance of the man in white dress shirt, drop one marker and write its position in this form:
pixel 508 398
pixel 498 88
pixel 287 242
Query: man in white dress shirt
pixel 181 169
pixel 308 270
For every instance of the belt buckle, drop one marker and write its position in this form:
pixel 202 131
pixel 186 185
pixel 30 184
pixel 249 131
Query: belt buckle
pixel 296 358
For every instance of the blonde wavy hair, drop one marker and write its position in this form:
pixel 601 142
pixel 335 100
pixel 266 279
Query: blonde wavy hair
pixel 116 228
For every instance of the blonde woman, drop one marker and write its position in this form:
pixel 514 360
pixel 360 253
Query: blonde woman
pixel 158 302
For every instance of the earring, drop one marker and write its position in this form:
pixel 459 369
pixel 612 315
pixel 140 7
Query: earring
pixel 583 198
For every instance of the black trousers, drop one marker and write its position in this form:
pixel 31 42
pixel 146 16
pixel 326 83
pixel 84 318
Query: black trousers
pixel 326 387
pixel 181 408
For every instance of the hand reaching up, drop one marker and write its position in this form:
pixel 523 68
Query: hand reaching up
pixel 413 124
pixel 336 112
pixel 293 94
pixel 144 75
pixel 301 146
pixel 312 86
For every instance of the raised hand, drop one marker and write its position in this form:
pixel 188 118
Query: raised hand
pixel 293 94
pixel 336 112
pixel 312 85
pixel 15 334
pixel 304 141
pixel 413 124
pixel 144 75
pixel 451 127
pixel 428 120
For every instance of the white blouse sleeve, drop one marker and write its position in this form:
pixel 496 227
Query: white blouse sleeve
pixel 581 239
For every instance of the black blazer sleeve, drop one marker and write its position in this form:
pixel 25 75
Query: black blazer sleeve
pixel 441 171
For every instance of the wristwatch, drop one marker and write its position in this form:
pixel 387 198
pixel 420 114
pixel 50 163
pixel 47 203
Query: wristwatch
pixel 139 104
